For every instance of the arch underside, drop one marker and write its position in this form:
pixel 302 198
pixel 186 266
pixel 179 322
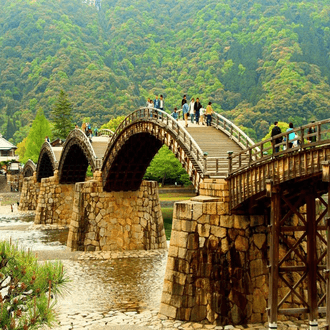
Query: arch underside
pixel 45 166
pixel 73 165
pixel 128 158
pixel 28 172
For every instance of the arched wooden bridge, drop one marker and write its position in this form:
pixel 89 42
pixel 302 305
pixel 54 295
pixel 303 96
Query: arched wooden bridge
pixel 124 156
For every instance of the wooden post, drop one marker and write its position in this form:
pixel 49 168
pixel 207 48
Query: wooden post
pixel 312 261
pixel 326 178
pixel 274 257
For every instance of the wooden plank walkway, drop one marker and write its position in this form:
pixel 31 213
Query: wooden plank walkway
pixel 213 142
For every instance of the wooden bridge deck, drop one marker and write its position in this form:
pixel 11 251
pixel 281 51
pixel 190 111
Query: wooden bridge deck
pixel 100 144
pixel 213 142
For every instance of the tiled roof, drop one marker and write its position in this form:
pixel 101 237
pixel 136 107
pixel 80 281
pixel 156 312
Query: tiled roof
pixel 6 145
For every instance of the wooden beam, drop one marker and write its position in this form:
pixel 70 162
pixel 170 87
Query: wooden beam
pixel 311 257
pixel 274 258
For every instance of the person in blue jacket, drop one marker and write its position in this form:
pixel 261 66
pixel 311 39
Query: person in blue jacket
pixel 291 135
pixel 156 102
pixel 185 110
pixel 175 114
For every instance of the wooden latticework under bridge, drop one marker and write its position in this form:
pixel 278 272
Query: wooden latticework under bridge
pixel 293 184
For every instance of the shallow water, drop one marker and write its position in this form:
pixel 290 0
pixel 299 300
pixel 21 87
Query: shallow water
pixel 128 284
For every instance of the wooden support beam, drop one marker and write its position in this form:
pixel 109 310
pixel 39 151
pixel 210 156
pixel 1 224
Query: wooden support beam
pixel 274 258
pixel 327 270
pixel 311 259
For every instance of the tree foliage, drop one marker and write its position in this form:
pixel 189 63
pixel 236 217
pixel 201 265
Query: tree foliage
pixel 26 289
pixel 39 130
pixel 256 61
pixel 166 168
pixel 62 116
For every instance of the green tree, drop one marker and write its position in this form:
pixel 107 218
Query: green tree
pixel 39 130
pixel 27 287
pixel 62 116
pixel 165 166
pixel 113 123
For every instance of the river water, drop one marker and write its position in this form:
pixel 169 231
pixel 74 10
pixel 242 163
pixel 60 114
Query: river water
pixel 131 285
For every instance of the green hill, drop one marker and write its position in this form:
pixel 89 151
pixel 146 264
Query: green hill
pixel 257 61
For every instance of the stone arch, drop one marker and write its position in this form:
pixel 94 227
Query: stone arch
pixel 77 154
pixel 47 163
pixel 29 168
pixel 131 151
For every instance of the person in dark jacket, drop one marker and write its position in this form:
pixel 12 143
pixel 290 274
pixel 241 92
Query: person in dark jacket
pixel 197 107
pixel 275 131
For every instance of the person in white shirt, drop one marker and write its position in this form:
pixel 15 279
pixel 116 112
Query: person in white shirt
pixel 192 110
pixel 161 100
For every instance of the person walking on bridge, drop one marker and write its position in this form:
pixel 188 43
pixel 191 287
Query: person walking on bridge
pixel 184 100
pixel 208 113
pixel 185 110
pixel 156 102
pixel 161 102
pixel 275 131
pixel 192 110
pixel 197 107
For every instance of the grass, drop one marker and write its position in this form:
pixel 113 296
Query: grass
pixel 169 197
pixel 167 216
pixel 9 198
pixel 168 211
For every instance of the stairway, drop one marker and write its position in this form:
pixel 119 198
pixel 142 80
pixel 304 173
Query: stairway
pixel 213 142
pixel 100 144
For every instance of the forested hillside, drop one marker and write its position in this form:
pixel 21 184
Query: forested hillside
pixel 257 61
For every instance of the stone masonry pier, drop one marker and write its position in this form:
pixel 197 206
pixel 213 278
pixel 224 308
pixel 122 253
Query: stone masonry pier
pixel 217 262
pixel 55 202
pixel 30 193
pixel 110 221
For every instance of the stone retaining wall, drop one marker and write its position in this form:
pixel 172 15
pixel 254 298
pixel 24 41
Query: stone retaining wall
pixel 109 221
pixel 55 202
pixel 30 193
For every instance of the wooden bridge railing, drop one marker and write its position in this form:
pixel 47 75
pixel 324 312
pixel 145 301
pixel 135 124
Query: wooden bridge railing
pixel 230 129
pixel 308 136
pixel 105 132
pixel 165 119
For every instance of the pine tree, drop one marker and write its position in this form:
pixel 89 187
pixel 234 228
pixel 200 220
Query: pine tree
pixel 39 130
pixel 62 116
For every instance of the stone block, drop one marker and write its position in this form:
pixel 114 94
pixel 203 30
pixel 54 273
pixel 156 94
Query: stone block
pixel 241 221
pixel 227 221
pixel 179 239
pixel 173 251
pixel 218 231
pixel 257 220
pixel 259 240
pixel 203 230
pixel 188 225
pixel 241 243
pixel 257 268
pixel 168 310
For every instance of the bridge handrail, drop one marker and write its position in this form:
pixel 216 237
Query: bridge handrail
pixel 230 129
pixel 50 148
pixel 153 114
pixel 260 152
pixel 105 132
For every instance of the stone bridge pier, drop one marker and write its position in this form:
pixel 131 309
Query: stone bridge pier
pixel 30 193
pixel 55 202
pixel 105 221
pixel 217 262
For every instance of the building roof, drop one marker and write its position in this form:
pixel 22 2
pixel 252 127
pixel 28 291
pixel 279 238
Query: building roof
pixel 6 145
